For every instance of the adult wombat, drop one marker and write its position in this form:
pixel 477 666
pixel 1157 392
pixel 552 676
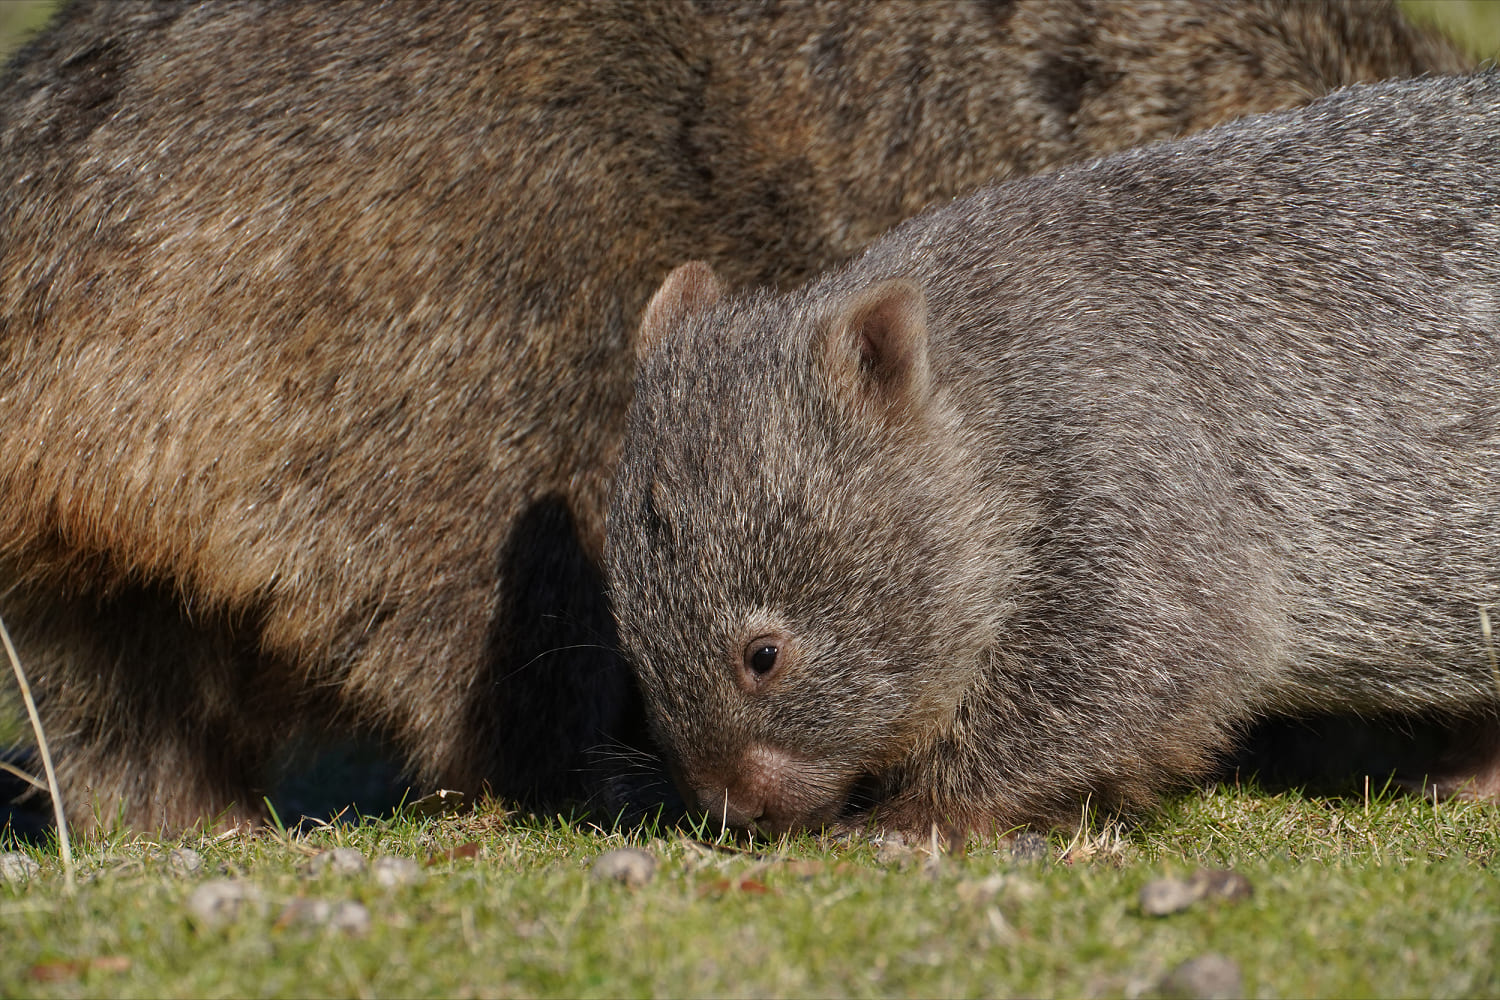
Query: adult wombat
pixel 1055 489
pixel 314 325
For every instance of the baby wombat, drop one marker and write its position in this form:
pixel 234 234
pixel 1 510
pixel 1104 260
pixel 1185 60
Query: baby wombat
pixel 315 325
pixel 1055 489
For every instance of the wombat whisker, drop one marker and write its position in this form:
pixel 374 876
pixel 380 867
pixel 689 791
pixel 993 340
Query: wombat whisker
pixel 618 747
pixel 622 763
pixel 553 652
pixel 577 624
pixel 863 796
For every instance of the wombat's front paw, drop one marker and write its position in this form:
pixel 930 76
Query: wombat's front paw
pixel 1469 770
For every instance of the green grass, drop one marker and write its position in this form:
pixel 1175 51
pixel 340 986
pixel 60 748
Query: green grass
pixel 1473 24
pixel 19 19
pixel 1395 898
pixel 13 728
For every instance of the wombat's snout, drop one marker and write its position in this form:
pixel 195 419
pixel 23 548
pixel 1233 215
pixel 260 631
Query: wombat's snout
pixel 769 790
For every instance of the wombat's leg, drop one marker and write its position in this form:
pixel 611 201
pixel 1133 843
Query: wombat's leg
pixel 1471 767
pixel 179 781
pixel 522 712
pixel 152 717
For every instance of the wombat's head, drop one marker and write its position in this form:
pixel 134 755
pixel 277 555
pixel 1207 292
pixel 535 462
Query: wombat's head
pixel 796 548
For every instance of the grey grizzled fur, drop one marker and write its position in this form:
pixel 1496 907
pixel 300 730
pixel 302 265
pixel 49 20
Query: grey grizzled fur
pixel 314 325
pixel 1055 489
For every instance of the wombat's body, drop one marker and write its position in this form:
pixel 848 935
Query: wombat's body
pixel 314 325
pixel 1056 489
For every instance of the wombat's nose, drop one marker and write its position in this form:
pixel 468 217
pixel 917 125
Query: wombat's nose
pixel 762 792
pixel 725 808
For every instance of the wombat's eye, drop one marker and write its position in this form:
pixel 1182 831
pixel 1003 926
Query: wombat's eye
pixel 763 657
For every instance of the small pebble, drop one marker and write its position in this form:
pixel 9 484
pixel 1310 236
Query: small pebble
pixel 184 861
pixel 17 868
pixel 221 901
pixel 1221 883
pixel 893 849
pixel 390 871
pixel 439 803
pixel 339 861
pixel 1173 895
pixel 1168 895
pixel 1029 849
pixel 305 911
pixel 346 915
pixel 972 893
pixel 350 917
pixel 1211 976
pixel 628 865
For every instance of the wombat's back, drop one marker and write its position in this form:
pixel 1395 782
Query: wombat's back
pixel 1284 337
pixel 901 106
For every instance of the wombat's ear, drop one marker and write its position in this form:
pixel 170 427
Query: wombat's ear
pixel 690 288
pixel 877 345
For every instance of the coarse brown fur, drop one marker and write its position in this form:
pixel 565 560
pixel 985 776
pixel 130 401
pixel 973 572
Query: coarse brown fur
pixel 1055 490
pixel 314 325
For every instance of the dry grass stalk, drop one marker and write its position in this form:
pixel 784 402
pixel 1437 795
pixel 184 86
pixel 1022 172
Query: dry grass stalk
pixel 41 744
